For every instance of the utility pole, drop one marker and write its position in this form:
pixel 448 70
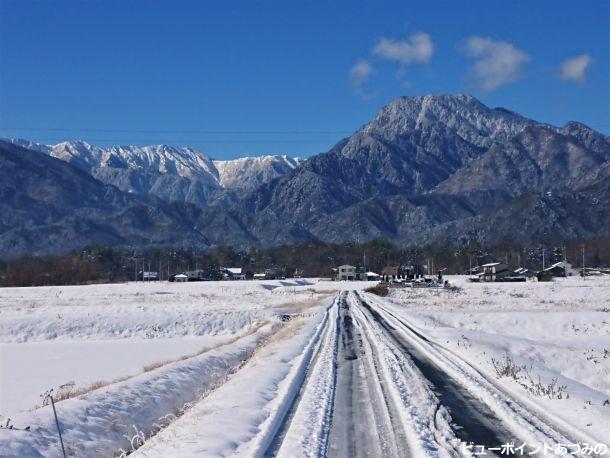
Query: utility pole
pixel 542 258
pixel 470 265
pixel 61 440
pixel 565 263
pixel 584 274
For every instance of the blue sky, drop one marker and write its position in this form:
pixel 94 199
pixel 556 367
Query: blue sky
pixel 261 77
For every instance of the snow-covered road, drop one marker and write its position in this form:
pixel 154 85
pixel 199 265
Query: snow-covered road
pixel 388 371
pixel 397 393
pixel 368 384
pixel 344 374
pixel 365 421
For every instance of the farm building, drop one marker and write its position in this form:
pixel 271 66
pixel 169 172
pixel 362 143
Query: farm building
pixel 234 273
pixel 181 278
pixel 494 271
pixel 369 276
pixel 562 269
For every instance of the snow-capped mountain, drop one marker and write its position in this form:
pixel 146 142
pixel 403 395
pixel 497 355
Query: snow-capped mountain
pixel 166 172
pixel 184 162
pixel 435 168
pixel 29 145
pixel 251 172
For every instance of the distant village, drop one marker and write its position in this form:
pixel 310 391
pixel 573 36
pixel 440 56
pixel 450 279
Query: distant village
pixel 376 261
pixel 392 275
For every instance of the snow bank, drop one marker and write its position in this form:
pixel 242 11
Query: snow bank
pixel 234 420
pixel 96 423
pixel 29 369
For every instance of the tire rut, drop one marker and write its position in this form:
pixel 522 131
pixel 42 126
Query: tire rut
pixel 363 416
pixel 472 420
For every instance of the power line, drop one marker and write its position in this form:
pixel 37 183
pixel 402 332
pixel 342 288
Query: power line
pixel 203 132
pixel 186 140
pixel 170 131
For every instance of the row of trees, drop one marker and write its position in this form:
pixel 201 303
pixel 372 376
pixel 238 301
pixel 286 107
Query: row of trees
pixel 103 264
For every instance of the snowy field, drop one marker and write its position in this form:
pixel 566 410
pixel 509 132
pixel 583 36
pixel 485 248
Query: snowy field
pixel 51 336
pixel 302 367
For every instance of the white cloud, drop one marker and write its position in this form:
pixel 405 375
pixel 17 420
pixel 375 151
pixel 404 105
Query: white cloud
pixel 575 68
pixel 496 63
pixel 359 75
pixel 360 72
pixel 418 48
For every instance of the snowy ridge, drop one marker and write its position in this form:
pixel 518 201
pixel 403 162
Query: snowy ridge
pixel 190 163
pixel 253 171
pixel 461 113
pixel 183 162
pixel 30 145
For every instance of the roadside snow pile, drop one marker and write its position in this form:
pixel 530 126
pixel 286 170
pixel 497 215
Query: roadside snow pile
pixel 29 369
pixel 554 336
pixel 98 334
pixel 120 415
pixel 234 420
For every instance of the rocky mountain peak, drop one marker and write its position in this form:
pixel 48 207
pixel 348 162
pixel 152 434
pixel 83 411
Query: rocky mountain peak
pixel 592 139
pixel 462 114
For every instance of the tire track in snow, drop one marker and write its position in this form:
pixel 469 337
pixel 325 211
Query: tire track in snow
pixel 419 422
pixel 305 424
pixel 529 416
pixel 503 416
pixel 472 420
pixel 360 411
pixel 364 418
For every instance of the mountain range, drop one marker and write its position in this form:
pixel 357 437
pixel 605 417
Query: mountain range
pixel 169 173
pixel 426 169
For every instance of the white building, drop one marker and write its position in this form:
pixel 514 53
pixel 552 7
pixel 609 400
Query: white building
pixel 346 272
pixel 235 273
